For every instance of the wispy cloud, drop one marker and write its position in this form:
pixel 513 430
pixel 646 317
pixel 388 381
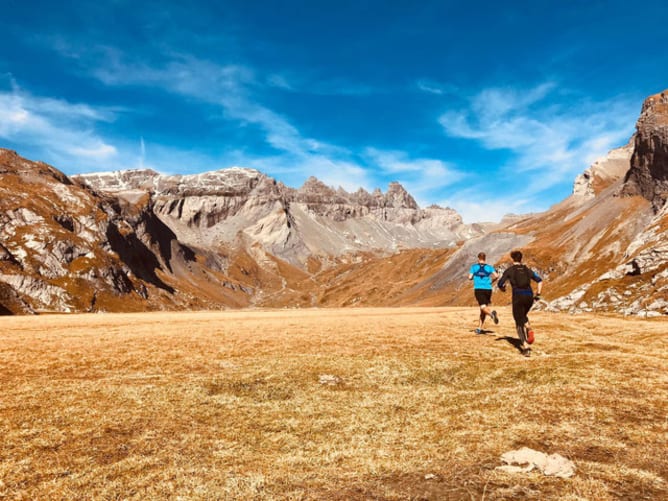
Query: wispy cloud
pixel 429 87
pixel 321 86
pixel 437 88
pixel 142 152
pixel 231 88
pixel 543 134
pixel 96 150
pixel 228 86
pixel 280 82
pixel 337 172
pixel 235 89
pixel 474 207
pixel 423 177
pixel 63 128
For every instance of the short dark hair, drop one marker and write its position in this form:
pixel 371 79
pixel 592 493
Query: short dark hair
pixel 481 255
pixel 516 256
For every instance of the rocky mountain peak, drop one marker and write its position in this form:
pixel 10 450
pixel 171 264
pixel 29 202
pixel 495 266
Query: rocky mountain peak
pixel 314 190
pixel 399 198
pixel 12 163
pixel 603 172
pixel 655 109
pixel 121 180
pixel 233 181
pixel 648 175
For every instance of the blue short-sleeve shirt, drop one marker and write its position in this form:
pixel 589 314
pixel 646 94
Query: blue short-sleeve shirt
pixel 482 275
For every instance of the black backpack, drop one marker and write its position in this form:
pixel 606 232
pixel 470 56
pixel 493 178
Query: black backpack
pixel 482 272
pixel 522 277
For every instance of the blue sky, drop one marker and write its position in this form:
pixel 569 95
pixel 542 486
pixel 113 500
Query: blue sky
pixel 486 107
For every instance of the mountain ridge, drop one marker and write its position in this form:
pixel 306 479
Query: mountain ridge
pixel 236 238
pixel 229 205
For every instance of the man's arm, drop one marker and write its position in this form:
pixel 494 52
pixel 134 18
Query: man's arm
pixel 502 283
pixel 539 282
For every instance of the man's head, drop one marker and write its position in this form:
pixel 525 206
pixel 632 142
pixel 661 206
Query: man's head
pixel 482 257
pixel 516 256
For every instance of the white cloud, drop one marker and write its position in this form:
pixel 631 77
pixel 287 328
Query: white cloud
pixel 429 87
pixel 94 150
pixel 437 88
pixel 319 85
pixel 233 88
pixel 475 207
pixel 66 130
pixel 424 178
pixel 398 162
pixel 332 172
pixel 280 82
pixel 552 141
pixel 63 128
pixel 142 152
pixel 492 103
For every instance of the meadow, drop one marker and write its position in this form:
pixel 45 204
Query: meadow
pixel 329 404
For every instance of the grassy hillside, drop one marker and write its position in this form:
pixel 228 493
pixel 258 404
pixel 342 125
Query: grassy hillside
pixel 328 404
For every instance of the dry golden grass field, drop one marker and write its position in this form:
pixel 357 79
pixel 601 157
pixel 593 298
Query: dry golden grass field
pixel 404 403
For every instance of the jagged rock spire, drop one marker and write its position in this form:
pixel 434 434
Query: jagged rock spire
pixel 648 175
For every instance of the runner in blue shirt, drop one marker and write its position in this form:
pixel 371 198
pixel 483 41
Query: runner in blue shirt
pixel 483 275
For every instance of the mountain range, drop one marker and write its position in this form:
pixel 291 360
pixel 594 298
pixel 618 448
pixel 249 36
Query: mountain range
pixel 233 238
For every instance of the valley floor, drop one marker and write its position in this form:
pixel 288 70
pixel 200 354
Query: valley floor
pixel 404 403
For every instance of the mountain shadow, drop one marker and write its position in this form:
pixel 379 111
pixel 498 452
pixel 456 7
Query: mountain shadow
pixel 137 256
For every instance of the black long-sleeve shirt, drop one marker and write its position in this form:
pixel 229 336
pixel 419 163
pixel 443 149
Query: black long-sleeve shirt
pixel 510 275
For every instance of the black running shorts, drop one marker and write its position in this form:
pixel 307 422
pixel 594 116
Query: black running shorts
pixel 522 303
pixel 484 296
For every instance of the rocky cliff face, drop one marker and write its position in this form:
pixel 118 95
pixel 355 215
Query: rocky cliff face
pixel 242 207
pixel 51 231
pixel 604 172
pixel 648 175
pixel 65 248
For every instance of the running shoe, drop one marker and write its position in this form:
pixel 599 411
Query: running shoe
pixel 530 336
pixel 495 317
pixel 526 352
pixel 478 331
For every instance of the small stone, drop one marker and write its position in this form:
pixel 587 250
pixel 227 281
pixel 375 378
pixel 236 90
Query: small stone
pixel 329 379
pixel 553 465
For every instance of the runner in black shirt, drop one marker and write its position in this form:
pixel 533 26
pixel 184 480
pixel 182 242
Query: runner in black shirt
pixel 520 277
